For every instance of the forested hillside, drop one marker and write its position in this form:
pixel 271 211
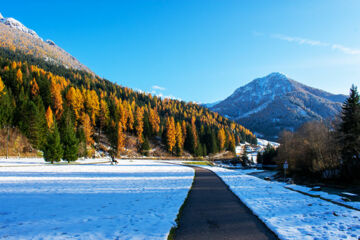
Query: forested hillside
pixel 71 113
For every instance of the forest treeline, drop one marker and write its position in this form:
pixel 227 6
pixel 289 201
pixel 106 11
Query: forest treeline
pixel 323 150
pixel 64 113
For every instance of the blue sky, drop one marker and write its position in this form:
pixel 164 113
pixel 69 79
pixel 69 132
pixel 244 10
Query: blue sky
pixel 203 50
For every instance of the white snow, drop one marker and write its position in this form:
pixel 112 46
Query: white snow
pixel 264 143
pixel 328 196
pixel 13 23
pixel 132 200
pixel 255 110
pixel 291 215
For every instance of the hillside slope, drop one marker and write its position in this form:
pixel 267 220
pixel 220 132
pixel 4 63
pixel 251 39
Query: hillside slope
pixel 15 36
pixel 273 103
pixel 47 95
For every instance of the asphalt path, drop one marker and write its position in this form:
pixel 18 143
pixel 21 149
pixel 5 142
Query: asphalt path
pixel 212 211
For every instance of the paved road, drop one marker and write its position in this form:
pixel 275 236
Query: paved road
pixel 212 211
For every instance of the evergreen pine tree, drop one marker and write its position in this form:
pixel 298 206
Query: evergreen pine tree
pixel 189 140
pixel 145 147
pixel 6 108
pixel 53 150
pixel 350 134
pixel 6 113
pixel 68 137
pixel 32 122
pixel 147 127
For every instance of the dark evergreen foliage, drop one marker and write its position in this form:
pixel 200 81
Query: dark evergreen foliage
pixel 350 135
pixel 53 150
pixel 268 156
pixel 68 138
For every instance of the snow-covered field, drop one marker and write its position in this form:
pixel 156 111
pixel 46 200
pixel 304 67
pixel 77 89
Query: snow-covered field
pixel 289 214
pixel 133 200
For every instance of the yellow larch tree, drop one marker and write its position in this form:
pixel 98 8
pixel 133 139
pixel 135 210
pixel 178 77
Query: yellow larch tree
pixel 2 87
pixel 49 117
pixel 131 120
pixel 57 100
pixel 154 120
pixel 19 76
pixel 120 139
pixel 13 65
pixel 88 129
pixel 139 123
pixel 183 128
pixel 221 138
pixel 92 104
pixel 122 111
pixel 34 87
pixel 76 101
pixel 179 138
pixel 170 133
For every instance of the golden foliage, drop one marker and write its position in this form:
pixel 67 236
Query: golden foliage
pixel 120 139
pixel 57 100
pixel 179 137
pixel 88 129
pixel 139 123
pixel 49 118
pixel 2 87
pixel 92 104
pixel 34 87
pixel 154 120
pixel 221 138
pixel 170 133
pixel 183 128
pixel 19 76
pixel 76 101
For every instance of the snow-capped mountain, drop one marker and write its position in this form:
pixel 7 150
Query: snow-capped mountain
pixel 16 36
pixel 273 103
pixel 13 23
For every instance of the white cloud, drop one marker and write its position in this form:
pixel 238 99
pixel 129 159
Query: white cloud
pixel 156 87
pixel 305 41
pixel 157 91
pixel 346 50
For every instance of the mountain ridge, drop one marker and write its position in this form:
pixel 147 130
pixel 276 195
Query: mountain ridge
pixel 16 36
pixel 276 102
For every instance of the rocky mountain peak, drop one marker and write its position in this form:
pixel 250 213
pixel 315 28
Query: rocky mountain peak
pixel 15 24
pixel 270 104
pixel 12 30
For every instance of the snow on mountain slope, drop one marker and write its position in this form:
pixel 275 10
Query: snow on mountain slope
pixel 13 23
pixel 15 36
pixel 275 102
